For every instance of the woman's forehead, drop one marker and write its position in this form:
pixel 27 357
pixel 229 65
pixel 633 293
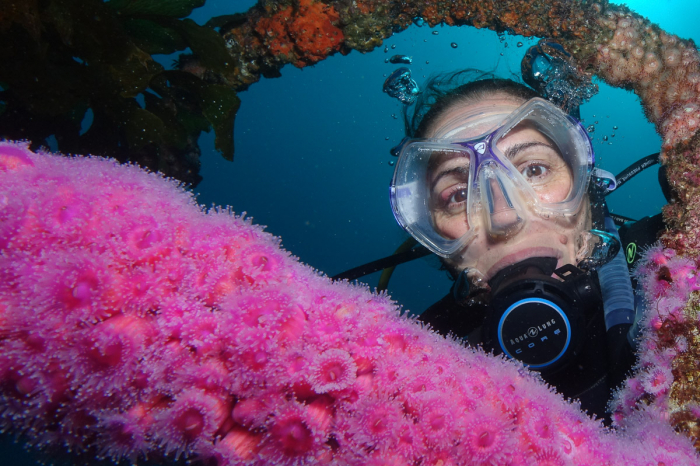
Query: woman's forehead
pixel 473 118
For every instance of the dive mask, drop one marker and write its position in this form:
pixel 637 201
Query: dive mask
pixel 492 170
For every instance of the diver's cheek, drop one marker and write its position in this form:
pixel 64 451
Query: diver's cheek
pixel 555 189
pixel 451 226
pixel 554 194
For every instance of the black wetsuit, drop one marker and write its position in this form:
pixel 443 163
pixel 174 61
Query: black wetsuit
pixel 606 358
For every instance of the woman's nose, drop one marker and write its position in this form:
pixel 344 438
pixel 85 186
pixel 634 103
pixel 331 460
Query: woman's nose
pixel 502 210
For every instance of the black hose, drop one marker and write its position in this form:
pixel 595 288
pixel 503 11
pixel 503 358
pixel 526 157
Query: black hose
pixel 630 172
pixel 383 263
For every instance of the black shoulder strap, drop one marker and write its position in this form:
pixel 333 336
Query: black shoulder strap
pixel 383 263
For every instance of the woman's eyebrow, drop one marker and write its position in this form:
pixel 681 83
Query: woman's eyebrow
pixel 514 149
pixel 460 170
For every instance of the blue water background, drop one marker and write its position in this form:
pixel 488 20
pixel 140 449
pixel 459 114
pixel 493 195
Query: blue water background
pixel 312 150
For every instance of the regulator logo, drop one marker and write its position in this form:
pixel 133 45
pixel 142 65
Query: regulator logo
pixel 532 332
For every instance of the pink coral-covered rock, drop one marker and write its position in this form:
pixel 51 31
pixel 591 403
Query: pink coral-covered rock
pixel 668 326
pixel 132 322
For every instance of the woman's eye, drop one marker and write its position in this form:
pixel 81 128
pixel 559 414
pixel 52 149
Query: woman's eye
pixel 456 196
pixel 534 171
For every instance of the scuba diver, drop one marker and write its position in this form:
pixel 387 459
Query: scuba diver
pixel 497 182
pixel 501 185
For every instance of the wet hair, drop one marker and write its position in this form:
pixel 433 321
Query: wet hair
pixel 443 91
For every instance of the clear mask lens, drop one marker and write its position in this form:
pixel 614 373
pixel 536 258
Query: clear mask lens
pixel 539 160
pixel 449 175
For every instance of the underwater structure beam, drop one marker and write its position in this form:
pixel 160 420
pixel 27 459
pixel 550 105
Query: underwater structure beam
pixel 303 32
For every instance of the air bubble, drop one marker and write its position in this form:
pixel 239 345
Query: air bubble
pixel 615 128
pixel 590 129
pixel 435 33
pixel 393 46
pixel 519 44
pixel 391 163
pixel 405 59
pixel 605 138
pixel 401 86
pixel 454 45
pixel 418 21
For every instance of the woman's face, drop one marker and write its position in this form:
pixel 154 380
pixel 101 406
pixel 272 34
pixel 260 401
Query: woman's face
pixel 496 245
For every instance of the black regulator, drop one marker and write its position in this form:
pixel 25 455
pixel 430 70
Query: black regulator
pixel 537 313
